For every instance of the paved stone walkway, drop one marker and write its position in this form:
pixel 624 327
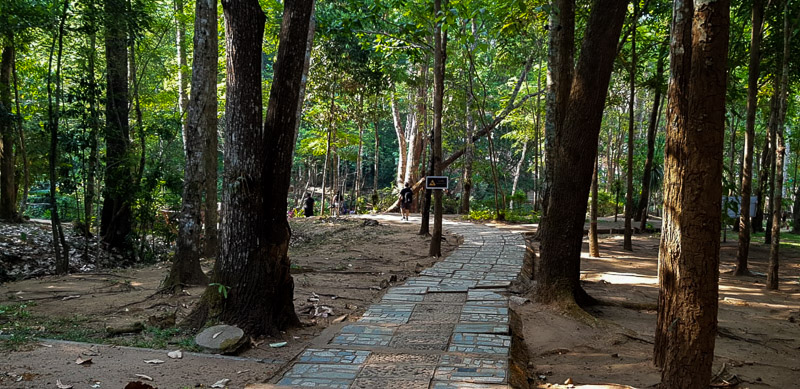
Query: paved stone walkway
pixel 446 328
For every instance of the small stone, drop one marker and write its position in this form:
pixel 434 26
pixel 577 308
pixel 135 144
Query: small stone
pixel 518 300
pixel 568 381
pixel 222 339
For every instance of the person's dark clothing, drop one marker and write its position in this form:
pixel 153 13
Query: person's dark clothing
pixel 406 198
pixel 309 208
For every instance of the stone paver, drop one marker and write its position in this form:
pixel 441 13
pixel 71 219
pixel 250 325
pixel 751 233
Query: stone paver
pixel 446 328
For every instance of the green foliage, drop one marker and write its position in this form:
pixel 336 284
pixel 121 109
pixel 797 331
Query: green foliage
pixel 221 289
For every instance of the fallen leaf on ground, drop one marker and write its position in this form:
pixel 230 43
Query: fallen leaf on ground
pixel 177 354
pixel 146 377
pixel 340 319
pixel 242 371
pixel 279 344
pixel 92 352
pixel 62 386
pixel 215 335
pixel 77 296
pixel 81 361
pixel 45 345
pixel 154 361
pixel 221 383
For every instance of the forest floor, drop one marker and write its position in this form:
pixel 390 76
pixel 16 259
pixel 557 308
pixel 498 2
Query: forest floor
pixel 343 264
pixel 758 345
pixel 758 342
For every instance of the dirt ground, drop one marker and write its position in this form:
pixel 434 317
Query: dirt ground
pixel 343 263
pixel 758 343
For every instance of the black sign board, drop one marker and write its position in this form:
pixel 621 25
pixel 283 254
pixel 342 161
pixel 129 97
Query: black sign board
pixel 436 182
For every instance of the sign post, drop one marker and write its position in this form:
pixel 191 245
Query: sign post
pixel 436 182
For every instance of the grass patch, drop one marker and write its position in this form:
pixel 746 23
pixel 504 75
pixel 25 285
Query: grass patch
pixel 788 240
pixel 21 329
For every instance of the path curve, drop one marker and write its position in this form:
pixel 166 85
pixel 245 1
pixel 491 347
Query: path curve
pixel 446 328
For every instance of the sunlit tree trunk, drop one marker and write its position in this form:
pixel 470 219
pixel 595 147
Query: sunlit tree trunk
pixel 689 250
pixel 402 145
pixel 439 60
pixel 594 245
pixel 517 173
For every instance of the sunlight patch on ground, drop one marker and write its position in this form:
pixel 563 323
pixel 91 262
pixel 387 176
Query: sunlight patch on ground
pixel 624 278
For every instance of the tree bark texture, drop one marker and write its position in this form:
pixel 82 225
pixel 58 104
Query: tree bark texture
pixel 402 144
pixel 201 115
pixel 689 248
pixel 115 223
pixel 8 187
pixel 749 137
pixel 560 63
pixel 253 258
pixel 574 151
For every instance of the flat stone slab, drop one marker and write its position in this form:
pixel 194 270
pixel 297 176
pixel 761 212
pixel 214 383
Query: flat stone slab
pixel 465 385
pixel 315 382
pixel 483 295
pixel 434 313
pixel 451 298
pixel 397 371
pixel 222 339
pixel 335 356
pixel 387 313
pixel 408 290
pixel 396 383
pixel 323 371
pixel 480 343
pixel 403 358
pixel 473 370
pixel 408 298
pixel 482 328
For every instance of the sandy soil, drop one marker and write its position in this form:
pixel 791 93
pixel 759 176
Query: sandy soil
pixel 346 263
pixel 759 341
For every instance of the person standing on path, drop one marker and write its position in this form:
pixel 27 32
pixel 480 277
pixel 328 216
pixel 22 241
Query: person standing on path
pixel 406 198
pixel 309 205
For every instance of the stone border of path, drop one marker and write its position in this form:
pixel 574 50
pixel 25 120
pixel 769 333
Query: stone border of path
pixel 446 328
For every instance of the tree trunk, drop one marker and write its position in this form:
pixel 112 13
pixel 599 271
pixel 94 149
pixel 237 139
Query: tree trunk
pixel 401 142
pixel 689 249
pixel 253 260
pixel 439 60
pixel 94 128
pixel 749 137
pixel 359 157
pixel 766 167
pixel 627 244
pixel 560 63
pixel 8 186
pixel 576 147
pixel 651 141
pixel 780 153
pixel 375 198
pixel 594 245
pixel 115 223
pixel 466 177
pixel 517 173
pixel 23 206
pixel 201 115
pixel 183 78
pixel 210 163
pixel 732 180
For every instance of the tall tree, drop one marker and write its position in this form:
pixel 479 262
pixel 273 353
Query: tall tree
pixel 627 244
pixel 201 119
pixel 575 148
pixel 651 140
pixel 757 20
pixel 8 188
pixel 594 245
pixel 115 222
pixel 689 249
pixel 439 60
pixel 253 260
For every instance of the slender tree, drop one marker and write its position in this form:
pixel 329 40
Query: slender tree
pixel 689 249
pixel 594 245
pixel 439 60
pixel 627 244
pixel 201 119
pixel 8 188
pixel 651 140
pixel 749 137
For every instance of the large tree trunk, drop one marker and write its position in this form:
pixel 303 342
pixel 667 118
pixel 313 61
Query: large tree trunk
pixel 23 204
pixel 651 141
pixel 439 60
pixel 749 137
pixel 560 63
pixel 253 260
pixel 575 149
pixel 8 186
pixel 115 223
pixel 689 249
pixel 201 115
pixel 627 244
